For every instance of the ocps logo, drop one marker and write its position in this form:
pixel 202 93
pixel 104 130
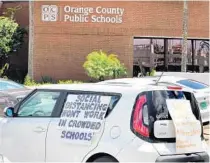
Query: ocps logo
pixel 49 13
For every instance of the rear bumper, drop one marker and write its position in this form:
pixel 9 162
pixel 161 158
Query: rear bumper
pixel 195 157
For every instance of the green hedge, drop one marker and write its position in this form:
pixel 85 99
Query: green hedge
pixel 30 82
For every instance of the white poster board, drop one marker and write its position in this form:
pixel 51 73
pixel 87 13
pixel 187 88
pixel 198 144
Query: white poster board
pixel 188 128
pixel 82 117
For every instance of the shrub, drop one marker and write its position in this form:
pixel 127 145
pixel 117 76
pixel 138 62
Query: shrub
pixel 68 82
pixel 100 65
pixel 151 73
pixel 11 36
pixel 29 82
pixel 47 79
pixel 65 82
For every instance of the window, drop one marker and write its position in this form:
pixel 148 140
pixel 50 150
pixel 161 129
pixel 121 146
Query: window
pixel 85 101
pixel 113 102
pixel 202 52
pixel 175 52
pixel 4 85
pixel 192 84
pixel 158 109
pixel 40 104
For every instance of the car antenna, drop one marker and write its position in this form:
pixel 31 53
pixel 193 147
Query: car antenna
pixel 159 78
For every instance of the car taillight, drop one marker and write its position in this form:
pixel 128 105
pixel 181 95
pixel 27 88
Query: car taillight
pixel 174 88
pixel 140 117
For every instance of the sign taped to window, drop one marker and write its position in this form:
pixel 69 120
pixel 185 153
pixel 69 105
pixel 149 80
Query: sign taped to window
pixel 187 127
pixel 82 117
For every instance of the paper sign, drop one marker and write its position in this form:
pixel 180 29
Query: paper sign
pixel 188 128
pixel 82 117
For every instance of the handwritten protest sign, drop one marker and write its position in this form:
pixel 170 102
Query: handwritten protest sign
pixel 82 117
pixel 188 128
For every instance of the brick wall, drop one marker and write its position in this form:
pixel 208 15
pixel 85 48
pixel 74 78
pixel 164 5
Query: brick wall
pixel 60 47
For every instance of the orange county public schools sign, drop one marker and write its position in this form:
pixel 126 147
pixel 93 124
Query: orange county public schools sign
pixel 99 14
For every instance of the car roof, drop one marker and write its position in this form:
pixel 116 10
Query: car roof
pixel 140 81
pixel 100 86
pixel 103 87
pixel 144 80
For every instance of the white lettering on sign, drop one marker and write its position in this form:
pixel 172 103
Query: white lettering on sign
pixel 187 127
pixel 99 14
pixel 82 117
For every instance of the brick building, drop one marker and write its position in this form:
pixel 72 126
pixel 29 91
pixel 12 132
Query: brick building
pixel 64 33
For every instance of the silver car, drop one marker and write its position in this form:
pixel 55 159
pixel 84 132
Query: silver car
pixel 11 92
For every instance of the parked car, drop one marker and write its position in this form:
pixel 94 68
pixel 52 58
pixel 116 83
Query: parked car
pixel 14 89
pixel 98 123
pixel 200 90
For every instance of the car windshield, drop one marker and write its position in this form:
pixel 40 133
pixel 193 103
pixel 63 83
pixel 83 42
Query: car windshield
pixel 192 84
pixel 5 85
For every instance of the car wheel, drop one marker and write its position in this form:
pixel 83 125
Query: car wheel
pixel 105 159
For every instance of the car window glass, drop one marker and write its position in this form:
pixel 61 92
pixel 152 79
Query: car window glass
pixel 112 104
pixel 39 104
pixel 192 84
pixel 84 114
pixel 159 111
pixel 113 101
pixel 159 102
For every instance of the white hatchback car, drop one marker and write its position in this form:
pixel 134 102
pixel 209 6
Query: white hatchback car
pixel 99 123
pixel 200 90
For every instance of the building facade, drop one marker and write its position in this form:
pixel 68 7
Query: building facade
pixel 141 33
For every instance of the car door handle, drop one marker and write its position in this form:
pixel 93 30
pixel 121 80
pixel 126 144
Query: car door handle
pixel 39 129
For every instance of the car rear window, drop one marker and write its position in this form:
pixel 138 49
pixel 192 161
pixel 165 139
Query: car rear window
pixel 192 84
pixel 158 108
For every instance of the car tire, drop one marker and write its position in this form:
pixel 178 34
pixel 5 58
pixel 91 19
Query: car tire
pixel 105 159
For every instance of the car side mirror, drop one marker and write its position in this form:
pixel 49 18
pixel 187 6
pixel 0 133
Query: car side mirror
pixel 9 112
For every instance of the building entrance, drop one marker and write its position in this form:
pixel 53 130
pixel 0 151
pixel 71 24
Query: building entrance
pixel 164 54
